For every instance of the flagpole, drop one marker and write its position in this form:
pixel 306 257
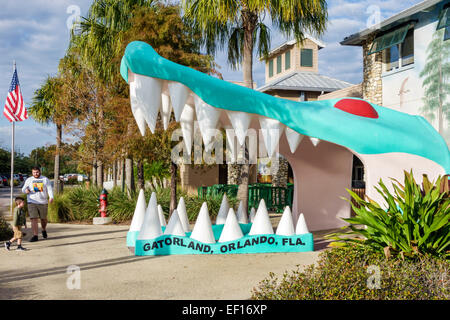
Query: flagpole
pixel 12 157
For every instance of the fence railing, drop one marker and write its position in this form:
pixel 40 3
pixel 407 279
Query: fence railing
pixel 276 198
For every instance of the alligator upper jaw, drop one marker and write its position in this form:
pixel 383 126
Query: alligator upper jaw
pixel 152 96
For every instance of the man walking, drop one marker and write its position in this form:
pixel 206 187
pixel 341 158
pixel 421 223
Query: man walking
pixel 38 188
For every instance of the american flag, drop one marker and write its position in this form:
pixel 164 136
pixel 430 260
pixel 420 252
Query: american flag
pixel 14 109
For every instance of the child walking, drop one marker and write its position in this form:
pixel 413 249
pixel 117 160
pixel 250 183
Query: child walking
pixel 19 220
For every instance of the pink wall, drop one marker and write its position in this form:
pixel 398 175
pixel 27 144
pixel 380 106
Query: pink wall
pixel 321 175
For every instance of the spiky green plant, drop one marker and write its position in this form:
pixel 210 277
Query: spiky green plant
pixel 416 220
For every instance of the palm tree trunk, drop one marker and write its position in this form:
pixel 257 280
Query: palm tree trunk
pixel 140 171
pixel 249 20
pixel 57 183
pixel 173 186
pixel 129 175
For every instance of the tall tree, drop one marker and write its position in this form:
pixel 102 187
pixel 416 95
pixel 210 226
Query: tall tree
pixel 436 80
pixel 239 26
pixel 46 108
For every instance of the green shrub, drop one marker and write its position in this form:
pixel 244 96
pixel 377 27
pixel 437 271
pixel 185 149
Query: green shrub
pixel 347 273
pixel 60 210
pixel 415 222
pixel 6 231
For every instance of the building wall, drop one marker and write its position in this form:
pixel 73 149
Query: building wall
pixel 295 51
pixel 404 89
pixel 353 91
pixel 193 176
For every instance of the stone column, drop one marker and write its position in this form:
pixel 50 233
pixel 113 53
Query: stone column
pixel 280 174
pixel 372 88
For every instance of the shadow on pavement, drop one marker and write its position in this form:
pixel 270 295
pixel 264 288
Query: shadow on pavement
pixel 10 277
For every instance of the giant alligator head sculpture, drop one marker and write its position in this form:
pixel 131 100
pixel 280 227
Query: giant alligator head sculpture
pixel 385 140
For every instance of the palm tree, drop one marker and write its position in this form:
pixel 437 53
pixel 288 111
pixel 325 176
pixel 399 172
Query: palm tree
pixel 239 25
pixel 45 109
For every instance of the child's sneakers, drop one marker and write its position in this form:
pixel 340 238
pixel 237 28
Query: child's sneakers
pixel 7 245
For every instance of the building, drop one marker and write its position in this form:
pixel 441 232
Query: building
pixel 292 72
pixel 406 62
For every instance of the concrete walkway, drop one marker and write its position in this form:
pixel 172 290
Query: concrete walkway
pixel 109 271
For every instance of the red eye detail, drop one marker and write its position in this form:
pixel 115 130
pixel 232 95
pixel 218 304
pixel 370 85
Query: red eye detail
pixel 357 107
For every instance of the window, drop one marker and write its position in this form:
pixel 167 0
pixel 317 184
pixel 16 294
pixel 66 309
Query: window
pixel 271 68
pixel 279 64
pixel 306 58
pixel 287 60
pixel 388 40
pixel 444 19
pixel 400 55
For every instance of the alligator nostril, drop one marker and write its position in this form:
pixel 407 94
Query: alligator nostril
pixel 357 107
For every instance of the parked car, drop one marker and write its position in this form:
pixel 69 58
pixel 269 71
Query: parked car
pixel 3 181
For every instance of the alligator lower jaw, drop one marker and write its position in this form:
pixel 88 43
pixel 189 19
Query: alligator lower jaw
pixel 152 96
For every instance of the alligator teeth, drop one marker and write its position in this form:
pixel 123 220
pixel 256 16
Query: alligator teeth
pixel 271 130
pixel 207 117
pixel 187 126
pixel 166 107
pixel 301 227
pixel 231 145
pixel 252 214
pixel 161 217
pixel 174 227
pixel 203 229
pixel 286 224
pixel 139 212
pixel 146 95
pixel 231 230
pixel 179 94
pixel 223 210
pixel 293 138
pixel 182 213
pixel 261 223
pixel 151 227
pixel 240 122
pixel 315 141
pixel 242 217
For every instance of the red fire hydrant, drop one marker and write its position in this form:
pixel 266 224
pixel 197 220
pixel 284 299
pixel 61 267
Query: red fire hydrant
pixel 103 203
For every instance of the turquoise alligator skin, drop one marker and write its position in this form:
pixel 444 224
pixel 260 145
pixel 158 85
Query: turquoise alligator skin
pixel 392 131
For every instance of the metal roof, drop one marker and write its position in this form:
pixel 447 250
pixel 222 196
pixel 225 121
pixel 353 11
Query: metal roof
pixel 358 38
pixel 305 81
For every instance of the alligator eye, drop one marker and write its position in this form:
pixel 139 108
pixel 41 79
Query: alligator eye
pixel 357 107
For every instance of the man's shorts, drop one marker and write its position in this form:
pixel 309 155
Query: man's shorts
pixel 37 211
pixel 17 232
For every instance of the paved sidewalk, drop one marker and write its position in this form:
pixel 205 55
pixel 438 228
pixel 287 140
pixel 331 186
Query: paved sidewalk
pixel 110 271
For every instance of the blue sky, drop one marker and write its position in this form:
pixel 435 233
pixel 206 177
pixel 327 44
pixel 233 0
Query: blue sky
pixel 35 34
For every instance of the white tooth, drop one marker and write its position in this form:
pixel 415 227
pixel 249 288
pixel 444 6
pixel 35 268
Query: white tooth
pixel 301 227
pixel 293 138
pixel 162 219
pixel 240 122
pixel 187 126
pixel 203 229
pixel 286 224
pixel 174 227
pixel 231 230
pixel 261 223
pixel 315 141
pixel 241 215
pixel 207 117
pixel 223 210
pixel 138 114
pixel 179 94
pixel 252 214
pixel 182 214
pixel 139 212
pixel 271 130
pixel 151 227
pixel 148 98
pixel 166 107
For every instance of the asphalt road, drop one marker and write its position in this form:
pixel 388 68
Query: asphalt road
pixel 5 194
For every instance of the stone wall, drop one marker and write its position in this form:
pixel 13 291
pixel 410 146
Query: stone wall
pixel 372 88
pixel 280 173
